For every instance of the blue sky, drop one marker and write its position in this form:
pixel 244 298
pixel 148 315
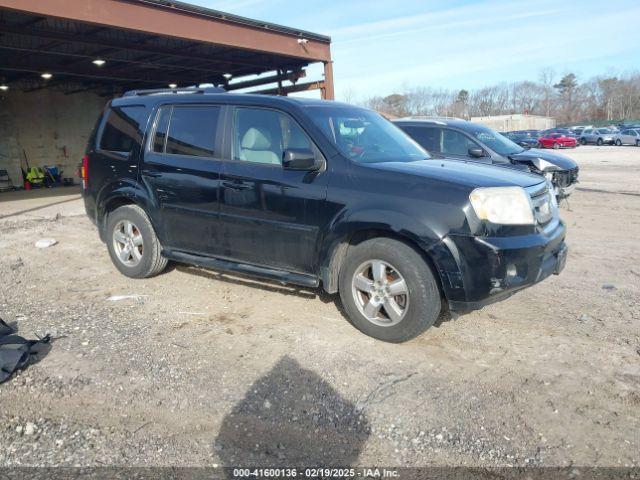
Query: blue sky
pixel 381 47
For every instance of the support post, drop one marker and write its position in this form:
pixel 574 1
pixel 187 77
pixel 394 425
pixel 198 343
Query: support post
pixel 328 92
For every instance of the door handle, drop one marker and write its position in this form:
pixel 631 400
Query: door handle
pixel 236 185
pixel 151 173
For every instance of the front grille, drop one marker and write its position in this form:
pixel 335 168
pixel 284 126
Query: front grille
pixel 542 203
pixel 565 178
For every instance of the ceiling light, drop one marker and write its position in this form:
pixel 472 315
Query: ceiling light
pixel 173 85
pixel 228 76
pixel 98 62
pixel 4 87
pixel 46 76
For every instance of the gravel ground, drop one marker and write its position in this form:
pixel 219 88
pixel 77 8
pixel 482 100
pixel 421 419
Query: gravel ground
pixel 202 369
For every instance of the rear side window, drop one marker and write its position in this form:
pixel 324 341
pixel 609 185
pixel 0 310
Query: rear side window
pixel 123 128
pixel 428 138
pixel 187 130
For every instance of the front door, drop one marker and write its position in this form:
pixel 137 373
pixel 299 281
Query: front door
pixel 270 215
pixel 182 171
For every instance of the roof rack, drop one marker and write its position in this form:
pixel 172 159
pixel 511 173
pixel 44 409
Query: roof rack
pixel 164 91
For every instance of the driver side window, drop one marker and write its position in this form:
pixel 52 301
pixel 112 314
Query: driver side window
pixel 456 143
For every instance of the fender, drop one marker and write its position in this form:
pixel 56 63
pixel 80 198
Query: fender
pixel 348 223
pixel 124 191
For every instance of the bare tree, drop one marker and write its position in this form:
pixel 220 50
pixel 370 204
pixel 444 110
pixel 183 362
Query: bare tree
pixel 611 98
pixel 547 79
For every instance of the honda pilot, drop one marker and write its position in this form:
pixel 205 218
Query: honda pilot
pixel 312 193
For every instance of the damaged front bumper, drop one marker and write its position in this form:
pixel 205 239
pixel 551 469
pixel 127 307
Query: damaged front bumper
pixel 484 270
pixel 565 181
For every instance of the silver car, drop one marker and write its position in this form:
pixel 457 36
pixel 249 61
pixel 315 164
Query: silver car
pixel 628 137
pixel 599 136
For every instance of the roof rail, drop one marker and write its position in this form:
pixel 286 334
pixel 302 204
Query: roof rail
pixel 164 91
pixel 429 117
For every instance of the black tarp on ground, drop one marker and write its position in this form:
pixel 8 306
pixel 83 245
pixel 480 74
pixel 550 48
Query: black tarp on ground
pixel 15 351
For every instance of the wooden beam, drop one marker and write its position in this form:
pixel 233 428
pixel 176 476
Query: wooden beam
pixel 175 22
pixel 300 87
pixel 130 46
pixel 328 92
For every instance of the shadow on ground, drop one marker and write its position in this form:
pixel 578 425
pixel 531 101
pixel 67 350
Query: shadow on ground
pixel 292 417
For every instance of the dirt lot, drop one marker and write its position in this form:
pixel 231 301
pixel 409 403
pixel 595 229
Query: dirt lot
pixel 204 368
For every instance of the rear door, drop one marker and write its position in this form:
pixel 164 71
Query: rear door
pixel 181 169
pixel 270 215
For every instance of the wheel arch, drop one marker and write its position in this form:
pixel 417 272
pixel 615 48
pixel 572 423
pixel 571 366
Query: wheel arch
pixel 336 252
pixel 116 195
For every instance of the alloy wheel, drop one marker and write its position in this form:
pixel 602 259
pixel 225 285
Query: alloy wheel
pixel 127 243
pixel 380 293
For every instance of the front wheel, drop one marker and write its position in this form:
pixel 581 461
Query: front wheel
pixel 599 142
pixel 132 242
pixel 388 290
pixel 637 143
pixel 618 143
pixel 583 141
pixel 556 146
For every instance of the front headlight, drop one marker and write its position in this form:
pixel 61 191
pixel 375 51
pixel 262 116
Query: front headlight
pixel 502 205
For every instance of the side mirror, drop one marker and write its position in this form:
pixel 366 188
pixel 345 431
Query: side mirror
pixel 476 152
pixel 301 159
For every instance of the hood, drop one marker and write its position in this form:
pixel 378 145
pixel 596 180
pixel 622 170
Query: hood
pixel 528 156
pixel 470 174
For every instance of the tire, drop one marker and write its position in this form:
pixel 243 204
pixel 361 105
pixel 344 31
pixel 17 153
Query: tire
pixel 618 143
pixel 637 143
pixel 556 146
pixel 422 302
pixel 583 141
pixel 599 142
pixel 148 262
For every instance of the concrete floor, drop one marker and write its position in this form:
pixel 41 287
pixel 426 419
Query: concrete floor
pixel 40 203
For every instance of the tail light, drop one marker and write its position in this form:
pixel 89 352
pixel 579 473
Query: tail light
pixel 84 172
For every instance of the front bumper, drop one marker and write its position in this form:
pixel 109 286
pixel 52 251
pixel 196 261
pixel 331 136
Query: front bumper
pixel 490 269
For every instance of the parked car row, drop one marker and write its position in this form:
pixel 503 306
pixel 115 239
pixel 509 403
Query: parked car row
pixel 557 138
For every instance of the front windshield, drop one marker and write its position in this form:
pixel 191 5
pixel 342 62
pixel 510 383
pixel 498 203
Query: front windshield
pixel 364 136
pixel 496 142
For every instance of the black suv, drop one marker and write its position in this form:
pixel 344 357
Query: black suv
pixel 454 138
pixel 312 192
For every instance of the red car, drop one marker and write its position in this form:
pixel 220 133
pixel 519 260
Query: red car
pixel 557 140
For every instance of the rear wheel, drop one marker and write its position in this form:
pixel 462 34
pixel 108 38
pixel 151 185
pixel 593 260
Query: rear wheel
pixel 599 142
pixel 583 141
pixel 132 242
pixel 388 290
pixel 637 143
pixel 618 142
pixel 556 146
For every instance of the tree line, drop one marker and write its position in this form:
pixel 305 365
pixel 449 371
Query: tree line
pixel 567 99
